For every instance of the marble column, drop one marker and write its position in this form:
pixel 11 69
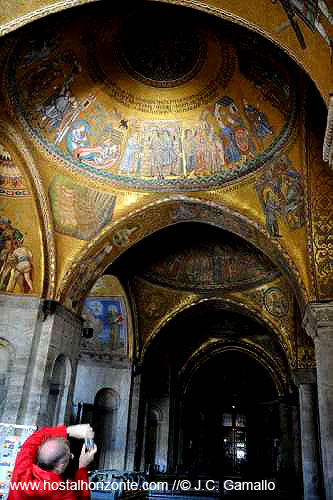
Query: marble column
pixel 132 441
pixel 286 465
pixel 305 380
pixel 318 323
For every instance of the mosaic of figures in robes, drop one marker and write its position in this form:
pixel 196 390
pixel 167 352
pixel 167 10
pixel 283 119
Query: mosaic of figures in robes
pixel 281 193
pixel 234 134
pixel 107 317
pixel 219 261
pixel 15 259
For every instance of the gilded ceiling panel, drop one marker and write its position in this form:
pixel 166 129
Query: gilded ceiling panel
pixel 302 27
pixel 187 105
pixel 219 261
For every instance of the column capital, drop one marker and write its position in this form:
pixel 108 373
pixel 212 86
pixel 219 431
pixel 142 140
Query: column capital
pixel 318 317
pixel 302 376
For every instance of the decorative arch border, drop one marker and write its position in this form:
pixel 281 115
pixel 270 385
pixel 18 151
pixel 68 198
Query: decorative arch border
pixel 194 4
pixel 91 262
pixel 115 398
pixel 208 350
pixel 19 147
pixel 226 304
pixel 63 398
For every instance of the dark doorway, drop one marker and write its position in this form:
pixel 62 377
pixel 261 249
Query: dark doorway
pixel 231 418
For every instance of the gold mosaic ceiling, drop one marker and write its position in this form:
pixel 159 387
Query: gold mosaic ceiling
pixel 190 103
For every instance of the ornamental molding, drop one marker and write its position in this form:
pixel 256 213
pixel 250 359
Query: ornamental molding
pixel 304 376
pixel 328 139
pixel 318 317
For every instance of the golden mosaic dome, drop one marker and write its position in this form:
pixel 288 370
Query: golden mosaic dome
pixel 186 103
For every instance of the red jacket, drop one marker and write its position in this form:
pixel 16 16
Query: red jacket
pixel 26 471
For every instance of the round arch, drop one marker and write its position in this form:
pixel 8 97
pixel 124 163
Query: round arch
pixel 226 304
pixel 106 415
pixel 59 389
pixel 112 242
pixel 207 351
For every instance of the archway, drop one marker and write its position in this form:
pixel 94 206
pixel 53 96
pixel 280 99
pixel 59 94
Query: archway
pixel 100 254
pixel 59 387
pixel 230 419
pixel 105 419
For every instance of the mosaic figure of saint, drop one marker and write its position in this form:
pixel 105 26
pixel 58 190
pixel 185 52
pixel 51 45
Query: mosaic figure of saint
pixel 237 141
pixel 215 153
pixel 189 150
pixel 167 152
pixel 231 150
pixel 177 164
pixel 15 263
pixel 257 120
pixel 21 262
pixel 155 144
pixel 116 324
pixel 57 106
pixel 281 193
pixel 77 138
pixel 131 161
pixel 271 206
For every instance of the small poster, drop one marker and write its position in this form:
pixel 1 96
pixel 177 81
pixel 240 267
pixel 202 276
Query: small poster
pixel 11 439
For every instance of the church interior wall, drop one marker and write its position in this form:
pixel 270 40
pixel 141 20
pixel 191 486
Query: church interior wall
pixel 93 377
pixel 164 228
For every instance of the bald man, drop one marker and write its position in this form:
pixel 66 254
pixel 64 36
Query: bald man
pixel 43 459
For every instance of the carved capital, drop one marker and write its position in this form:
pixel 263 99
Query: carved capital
pixel 304 376
pixel 318 318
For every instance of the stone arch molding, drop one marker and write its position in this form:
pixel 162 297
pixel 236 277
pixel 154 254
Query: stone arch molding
pixel 322 79
pixel 226 304
pixel 207 352
pixel 59 389
pixel 92 261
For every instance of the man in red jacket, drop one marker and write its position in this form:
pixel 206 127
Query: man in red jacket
pixel 42 460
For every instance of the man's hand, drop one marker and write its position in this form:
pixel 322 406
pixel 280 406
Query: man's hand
pixel 86 456
pixel 81 431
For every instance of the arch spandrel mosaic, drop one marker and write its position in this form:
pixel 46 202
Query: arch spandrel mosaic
pixel 110 108
pixel 20 239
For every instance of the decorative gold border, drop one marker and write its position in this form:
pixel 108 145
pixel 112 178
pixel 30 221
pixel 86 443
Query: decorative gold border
pixel 9 133
pixel 308 199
